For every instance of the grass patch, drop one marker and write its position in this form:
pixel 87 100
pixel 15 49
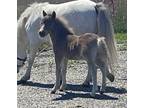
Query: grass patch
pixel 121 39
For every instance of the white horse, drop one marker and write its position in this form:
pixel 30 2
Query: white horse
pixel 82 15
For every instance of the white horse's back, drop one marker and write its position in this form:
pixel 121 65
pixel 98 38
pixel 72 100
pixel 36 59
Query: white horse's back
pixel 80 15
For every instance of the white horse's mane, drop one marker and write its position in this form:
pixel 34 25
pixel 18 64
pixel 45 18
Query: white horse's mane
pixel 21 33
pixel 32 7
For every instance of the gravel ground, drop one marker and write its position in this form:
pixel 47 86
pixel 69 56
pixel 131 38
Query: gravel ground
pixel 36 92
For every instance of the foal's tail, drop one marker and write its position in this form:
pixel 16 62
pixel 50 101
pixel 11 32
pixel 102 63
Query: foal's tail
pixel 105 57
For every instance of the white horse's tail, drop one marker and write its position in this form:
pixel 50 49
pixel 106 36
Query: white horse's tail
pixel 105 56
pixel 21 31
pixel 105 28
pixel 22 41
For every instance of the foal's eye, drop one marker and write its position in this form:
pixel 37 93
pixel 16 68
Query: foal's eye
pixel 41 22
pixel 44 22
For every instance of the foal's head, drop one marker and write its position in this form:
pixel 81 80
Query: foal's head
pixel 47 23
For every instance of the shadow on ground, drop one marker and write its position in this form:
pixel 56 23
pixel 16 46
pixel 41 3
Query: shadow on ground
pixel 71 95
pixel 84 91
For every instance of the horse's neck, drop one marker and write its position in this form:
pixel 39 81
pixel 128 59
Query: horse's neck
pixel 60 34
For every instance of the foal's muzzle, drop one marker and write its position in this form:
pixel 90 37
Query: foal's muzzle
pixel 42 33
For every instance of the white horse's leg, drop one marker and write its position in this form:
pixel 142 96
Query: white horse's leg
pixel 32 55
pixel 63 75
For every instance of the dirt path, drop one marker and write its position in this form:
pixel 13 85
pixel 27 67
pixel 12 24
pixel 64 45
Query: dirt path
pixel 36 93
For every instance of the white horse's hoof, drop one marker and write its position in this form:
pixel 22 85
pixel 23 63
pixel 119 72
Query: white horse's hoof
pixel 21 82
pixel 25 78
pixel 102 90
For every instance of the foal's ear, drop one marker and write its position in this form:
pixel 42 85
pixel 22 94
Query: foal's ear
pixel 44 13
pixel 54 14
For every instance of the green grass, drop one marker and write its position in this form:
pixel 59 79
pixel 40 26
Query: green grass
pixel 121 39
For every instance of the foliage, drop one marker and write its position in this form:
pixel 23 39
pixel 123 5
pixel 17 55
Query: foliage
pixel 120 18
pixel 121 39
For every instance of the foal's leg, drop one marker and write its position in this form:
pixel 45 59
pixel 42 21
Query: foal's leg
pixel 104 71
pixel 32 55
pixel 88 77
pixel 109 75
pixel 91 56
pixel 103 65
pixel 58 62
pixel 63 74
pixel 94 79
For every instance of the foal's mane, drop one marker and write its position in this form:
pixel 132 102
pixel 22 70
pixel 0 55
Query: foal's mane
pixel 65 24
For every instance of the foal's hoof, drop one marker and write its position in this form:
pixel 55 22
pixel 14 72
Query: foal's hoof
pixel 53 92
pixel 101 92
pixel 111 77
pixel 86 84
pixel 62 89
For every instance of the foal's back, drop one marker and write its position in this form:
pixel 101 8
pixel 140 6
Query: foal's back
pixel 79 46
pixel 87 38
pixel 83 39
